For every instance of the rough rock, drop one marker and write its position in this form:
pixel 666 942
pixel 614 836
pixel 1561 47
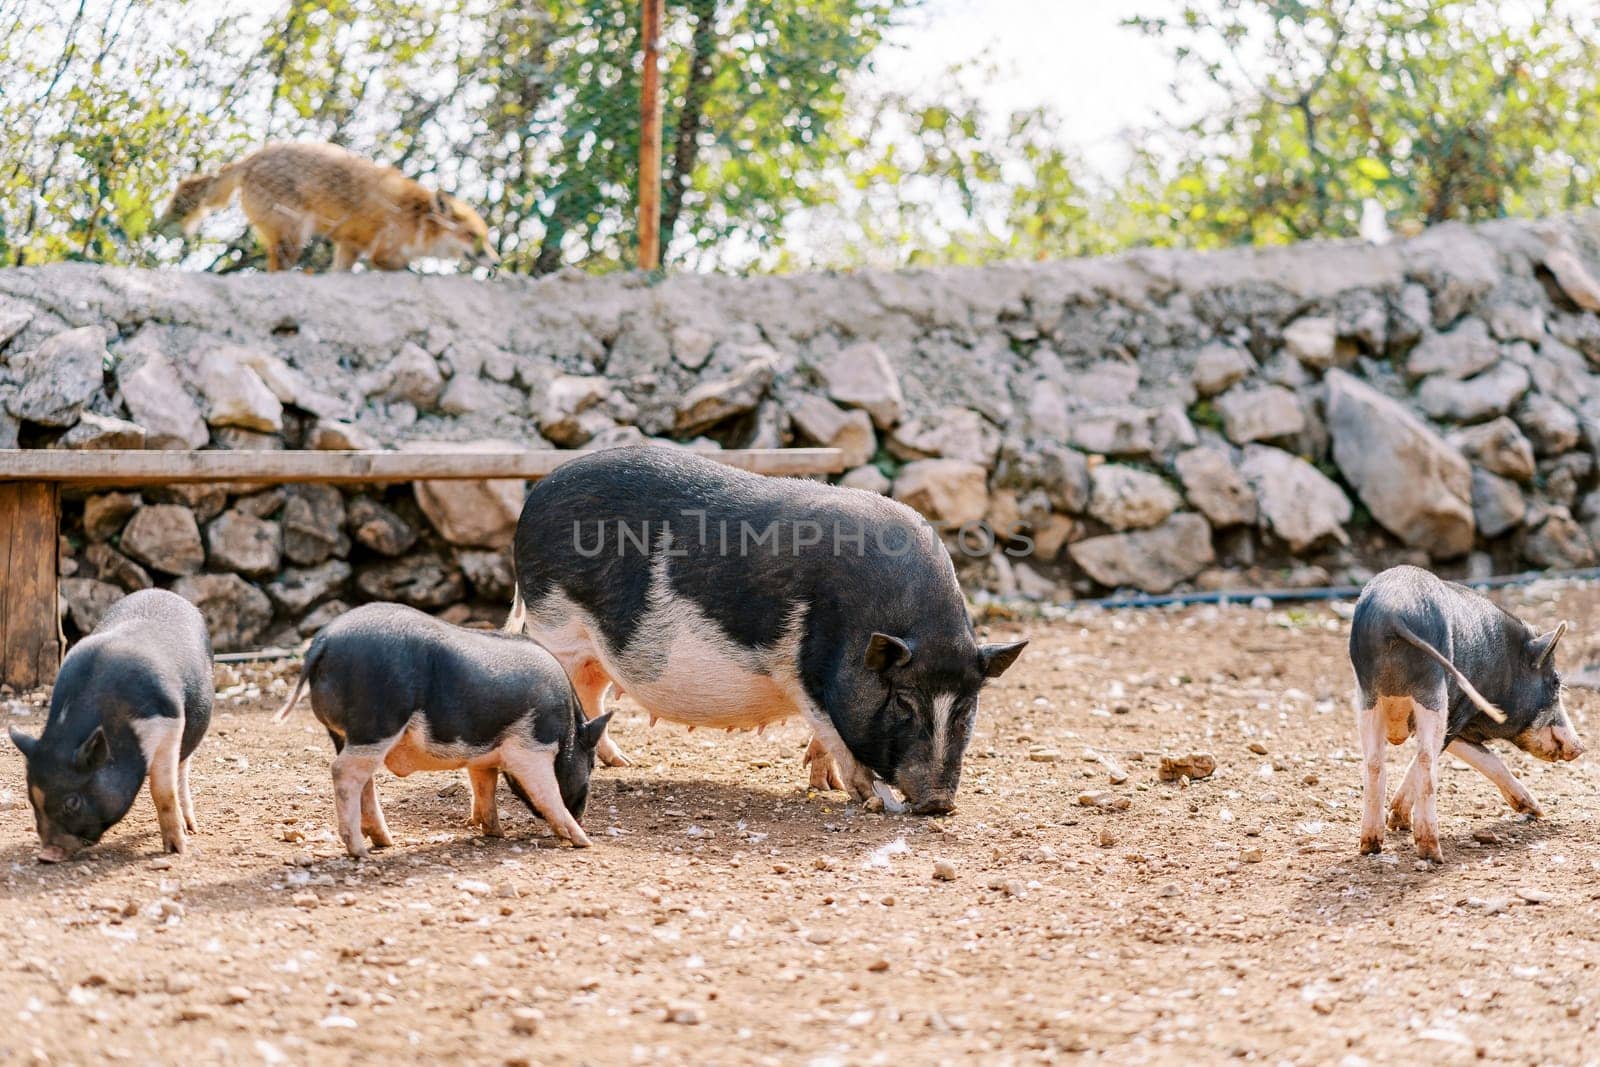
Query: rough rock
pixel 166 538
pixel 822 422
pixel 861 376
pixel 1106 383
pixel 1483 397
pixel 112 566
pixel 319 617
pixel 241 542
pixel 468 394
pixel 235 611
pixel 206 501
pixel 569 415
pixel 952 491
pixel 1062 473
pixel 1114 431
pixel 473 514
pixel 424 581
pixel 1573 276
pixel 379 527
pixel 155 397
pixel 412 376
pixel 489 572
pixel 868 478
pixel 313 524
pixel 235 394
pixel 1497 503
pixel 1297 502
pixel 1460 353
pixel 1509 321
pixel 1549 424
pixel 1558 541
pixel 1411 481
pixel 60 377
pixel 95 431
pixel 1125 498
pixel 298 588
pixel 1498 446
pixel 1260 414
pixel 1194 767
pixel 88 601
pixel 104 514
pixel 949 433
pixel 1215 487
pixel 1313 340
pixel 1152 560
pixel 712 402
pixel 331 435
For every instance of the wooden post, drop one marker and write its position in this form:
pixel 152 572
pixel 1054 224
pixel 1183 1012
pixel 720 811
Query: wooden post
pixel 650 140
pixel 30 624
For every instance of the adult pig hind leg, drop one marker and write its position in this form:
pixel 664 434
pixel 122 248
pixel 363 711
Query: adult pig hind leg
pixel 590 681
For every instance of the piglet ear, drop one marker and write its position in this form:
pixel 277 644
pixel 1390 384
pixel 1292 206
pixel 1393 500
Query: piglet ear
pixel 93 752
pixel 590 733
pixel 996 658
pixel 24 743
pixel 884 652
pixel 1542 646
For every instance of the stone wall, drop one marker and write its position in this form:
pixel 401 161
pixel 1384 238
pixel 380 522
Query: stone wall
pixel 1152 421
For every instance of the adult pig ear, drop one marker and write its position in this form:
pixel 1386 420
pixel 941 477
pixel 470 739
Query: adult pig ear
pixel 884 652
pixel 590 733
pixel 93 752
pixel 24 743
pixel 1541 647
pixel 996 658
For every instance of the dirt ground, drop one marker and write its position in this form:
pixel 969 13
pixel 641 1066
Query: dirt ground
pixel 726 915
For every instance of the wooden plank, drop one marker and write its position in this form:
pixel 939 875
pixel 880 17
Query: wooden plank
pixel 650 138
pixel 30 625
pixel 135 467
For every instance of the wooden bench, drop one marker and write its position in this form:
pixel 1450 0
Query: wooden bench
pixel 30 509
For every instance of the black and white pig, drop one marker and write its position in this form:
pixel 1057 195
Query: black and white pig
pixel 132 701
pixel 398 688
pixel 719 598
pixel 1438 659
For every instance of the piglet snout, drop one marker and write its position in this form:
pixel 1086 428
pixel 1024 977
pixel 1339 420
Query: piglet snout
pixel 53 854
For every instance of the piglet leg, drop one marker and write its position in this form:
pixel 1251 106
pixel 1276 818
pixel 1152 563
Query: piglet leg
pixel 1430 745
pixel 159 739
pixel 1370 730
pixel 535 770
pixel 485 812
pixel 1493 768
pixel 1405 798
pixel 353 768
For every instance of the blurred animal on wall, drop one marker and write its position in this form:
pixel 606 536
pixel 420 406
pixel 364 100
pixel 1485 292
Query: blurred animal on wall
pixel 294 192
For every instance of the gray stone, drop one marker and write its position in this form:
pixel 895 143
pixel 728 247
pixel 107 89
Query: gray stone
pixel 473 514
pixel 1171 430
pixel 95 431
pixel 423 580
pixel 155 397
pixel 379 527
pixel 1573 276
pixel 1559 542
pixel 468 394
pixel 235 611
pixel 205 500
pixel 166 538
pixel 298 588
pixel 868 478
pixel 104 514
pixel 1411 481
pixel 1313 340
pixel 691 346
pixel 313 524
pixel 1510 321
pixel 489 572
pixel 13 320
pixel 320 616
pixel 235 394
pixel 112 566
pixel 88 601
pixel 262 505
pixel 1062 473
pixel 1497 504
pixel 1297 502
pixel 1152 560
pixel 1489 394
pixel 412 376
pixel 240 542
pixel 860 376
pixel 1106 383
pixel 1216 488
pixel 1116 431
pixel 824 423
pixel 1125 498
pixel 1550 425
pixel 1261 414
pixel 1497 446
pixel 950 433
pixel 710 403
pixel 1458 354
pixel 567 400
pixel 61 377
pixel 951 491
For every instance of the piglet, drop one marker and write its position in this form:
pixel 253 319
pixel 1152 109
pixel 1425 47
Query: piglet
pixel 1437 659
pixel 132 701
pixel 398 688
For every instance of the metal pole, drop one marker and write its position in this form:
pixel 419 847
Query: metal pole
pixel 650 140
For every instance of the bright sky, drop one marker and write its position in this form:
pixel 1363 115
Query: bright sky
pixel 1073 55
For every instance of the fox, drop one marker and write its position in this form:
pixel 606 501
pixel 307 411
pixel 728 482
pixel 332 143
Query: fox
pixel 294 191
